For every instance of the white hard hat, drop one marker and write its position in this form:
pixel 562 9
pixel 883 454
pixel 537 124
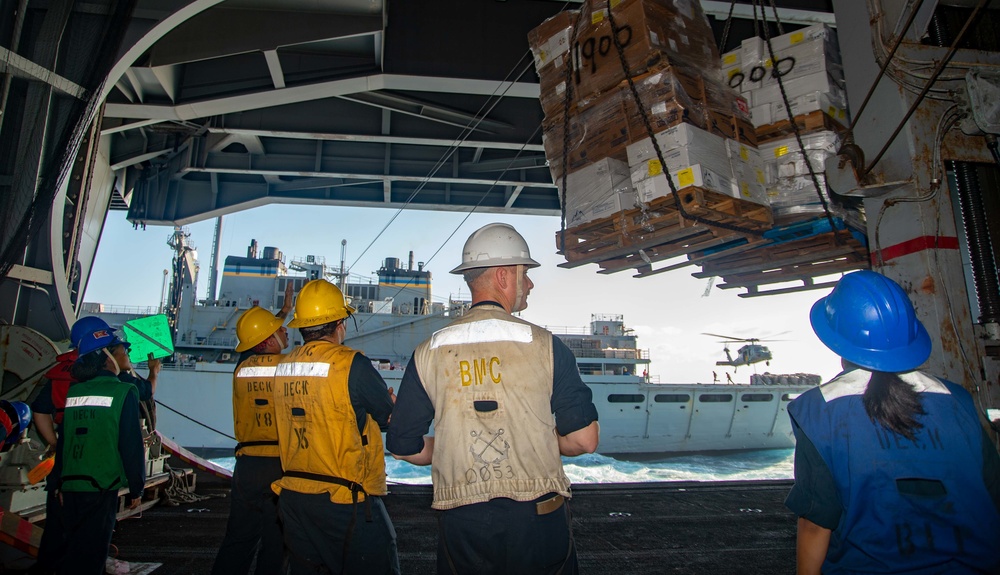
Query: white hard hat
pixel 495 245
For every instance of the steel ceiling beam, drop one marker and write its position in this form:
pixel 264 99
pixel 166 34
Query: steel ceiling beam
pixel 318 91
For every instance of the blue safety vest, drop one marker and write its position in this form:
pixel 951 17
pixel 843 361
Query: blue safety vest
pixel 917 506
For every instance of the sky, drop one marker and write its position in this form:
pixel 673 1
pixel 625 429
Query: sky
pixel 669 312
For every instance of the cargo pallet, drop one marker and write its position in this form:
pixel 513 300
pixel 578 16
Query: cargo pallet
pixel 816 121
pixel 638 238
pixel 799 253
pixel 635 238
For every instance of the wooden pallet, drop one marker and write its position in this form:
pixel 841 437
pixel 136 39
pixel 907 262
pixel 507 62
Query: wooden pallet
pixel 636 237
pixel 816 121
pixel 800 260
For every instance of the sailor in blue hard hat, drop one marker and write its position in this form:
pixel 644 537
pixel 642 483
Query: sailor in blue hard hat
pixel 893 471
pixel 100 450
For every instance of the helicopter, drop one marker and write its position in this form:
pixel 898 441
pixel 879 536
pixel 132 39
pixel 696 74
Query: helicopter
pixel 752 352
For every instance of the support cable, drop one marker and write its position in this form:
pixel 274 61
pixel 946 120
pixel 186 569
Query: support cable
pixel 463 136
pixel 725 29
pixel 798 133
pixel 222 433
pixel 626 69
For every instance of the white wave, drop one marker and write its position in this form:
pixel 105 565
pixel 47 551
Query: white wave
pixel 594 468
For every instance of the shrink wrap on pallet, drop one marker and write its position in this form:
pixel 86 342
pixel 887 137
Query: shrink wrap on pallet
pixel 550 47
pixel 601 189
pixel 748 172
pixel 790 188
pixel 650 32
pixel 808 61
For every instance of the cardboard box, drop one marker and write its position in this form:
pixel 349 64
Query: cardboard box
pixel 595 133
pixel 598 190
pixel 783 158
pixel 795 87
pixel 814 33
pixel 650 31
pixel 551 38
pixel 830 103
pixel 681 145
pixel 651 184
pixel 748 172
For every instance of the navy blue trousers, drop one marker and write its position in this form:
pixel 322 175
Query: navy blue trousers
pixel 52 548
pixel 253 526
pixel 505 536
pixel 315 529
pixel 89 518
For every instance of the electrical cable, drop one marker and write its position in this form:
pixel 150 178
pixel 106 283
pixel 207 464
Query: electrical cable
pixel 885 65
pixel 940 67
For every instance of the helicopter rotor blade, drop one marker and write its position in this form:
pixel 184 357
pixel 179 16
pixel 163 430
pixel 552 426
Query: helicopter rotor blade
pixel 729 337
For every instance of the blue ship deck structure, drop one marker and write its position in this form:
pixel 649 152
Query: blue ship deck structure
pixel 677 528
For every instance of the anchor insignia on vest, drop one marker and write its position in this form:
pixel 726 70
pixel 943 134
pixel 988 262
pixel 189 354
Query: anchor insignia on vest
pixel 487 445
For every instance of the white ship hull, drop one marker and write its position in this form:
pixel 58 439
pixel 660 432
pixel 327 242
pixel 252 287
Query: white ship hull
pixel 636 417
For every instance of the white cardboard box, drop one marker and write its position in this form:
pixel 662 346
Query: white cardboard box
pixel 682 145
pixel 649 187
pixel 748 172
pixel 830 102
pixel 597 190
pixel 795 87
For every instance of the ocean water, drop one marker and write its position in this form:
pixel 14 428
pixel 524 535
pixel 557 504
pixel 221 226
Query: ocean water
pixel 594 468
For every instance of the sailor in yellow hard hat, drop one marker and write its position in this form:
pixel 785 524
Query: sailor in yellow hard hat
pixel 253 513
pixel 330 408
pixel 507 400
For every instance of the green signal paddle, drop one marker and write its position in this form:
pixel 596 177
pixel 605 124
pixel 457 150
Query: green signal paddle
pixel 147 335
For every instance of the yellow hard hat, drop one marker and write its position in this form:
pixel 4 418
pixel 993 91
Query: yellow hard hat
pixel 319 302
pixel 254 326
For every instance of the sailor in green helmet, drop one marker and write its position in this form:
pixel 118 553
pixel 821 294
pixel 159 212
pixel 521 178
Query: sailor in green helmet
pixel 100 450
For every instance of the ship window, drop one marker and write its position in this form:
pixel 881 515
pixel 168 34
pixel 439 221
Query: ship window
pixel 715 397
pixel 671 398
pixel 757 397
pixel 789 396
pixel 626 398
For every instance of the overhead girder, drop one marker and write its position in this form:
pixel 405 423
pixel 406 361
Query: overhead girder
pixel 187 67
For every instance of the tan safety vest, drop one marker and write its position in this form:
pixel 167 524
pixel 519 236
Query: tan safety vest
pixel 318 430
pixel 489 376
pixel 253 406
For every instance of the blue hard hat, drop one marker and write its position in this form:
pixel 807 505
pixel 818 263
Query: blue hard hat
pixel 98 338
pixel 869 320
pixel 86 325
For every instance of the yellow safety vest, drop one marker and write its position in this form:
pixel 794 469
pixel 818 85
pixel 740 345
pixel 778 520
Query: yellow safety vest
pixel 253 406
pixel 318 437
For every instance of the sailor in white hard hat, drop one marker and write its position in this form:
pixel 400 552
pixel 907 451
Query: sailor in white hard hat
pixel 507 401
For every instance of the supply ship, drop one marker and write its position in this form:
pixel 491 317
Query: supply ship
pixel 395 313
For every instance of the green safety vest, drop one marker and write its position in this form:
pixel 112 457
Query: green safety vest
pixel 90 457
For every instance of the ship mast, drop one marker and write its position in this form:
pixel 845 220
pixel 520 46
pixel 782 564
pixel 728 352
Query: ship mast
pixel 342 276
pixel 213 274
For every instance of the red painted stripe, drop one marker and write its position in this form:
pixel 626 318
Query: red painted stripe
pixel 916 245
pixel 24 531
